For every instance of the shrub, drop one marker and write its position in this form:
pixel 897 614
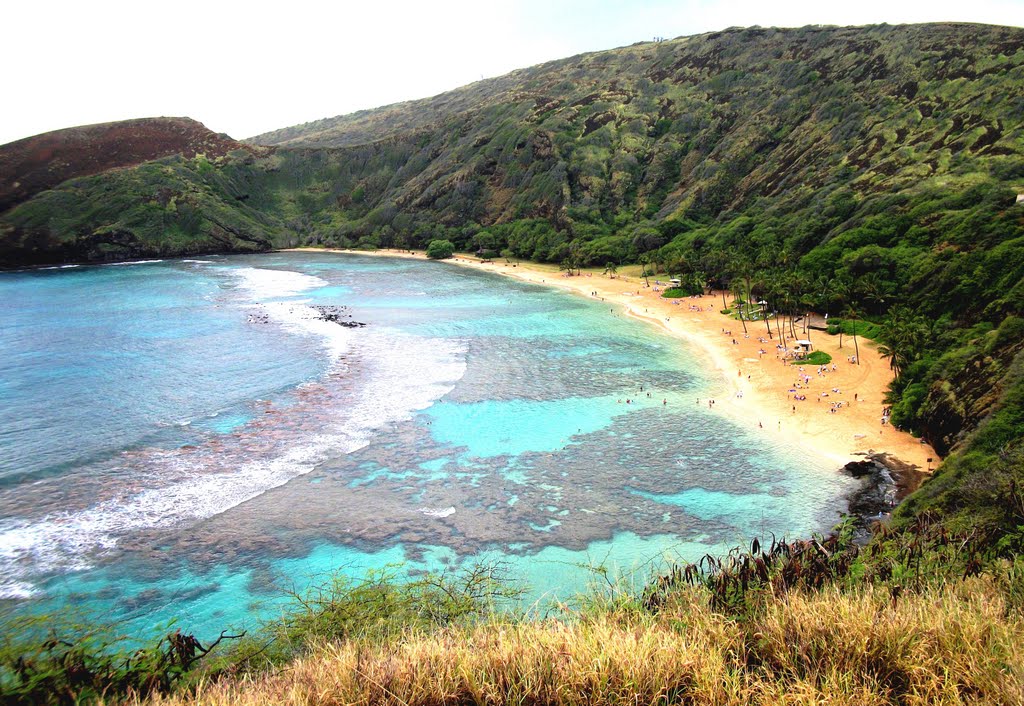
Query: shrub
pixel 864 329
pixel 50 659
pixel 440 249
pixel 814 358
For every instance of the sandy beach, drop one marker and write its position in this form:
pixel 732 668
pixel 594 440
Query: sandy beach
pixel 759 387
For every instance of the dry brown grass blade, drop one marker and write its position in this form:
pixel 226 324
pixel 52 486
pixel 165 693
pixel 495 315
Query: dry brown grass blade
pixel 957 645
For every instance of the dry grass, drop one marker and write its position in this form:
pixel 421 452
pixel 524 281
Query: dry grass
pixel 953 646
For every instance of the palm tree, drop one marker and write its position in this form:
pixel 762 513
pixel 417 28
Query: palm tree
pixel 680 266
pixel 843 293
pixel 852 315
pixel 717 264
pixel 776 293
pixel 903 338
pixel 645 260
pixel 762 288
pixel 737 296
pixel 872 291
pixel 807 304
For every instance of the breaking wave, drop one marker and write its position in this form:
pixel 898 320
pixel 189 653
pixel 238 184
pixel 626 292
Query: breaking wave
pixel 392 375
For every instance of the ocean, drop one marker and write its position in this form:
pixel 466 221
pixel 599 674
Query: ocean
pixel 188 440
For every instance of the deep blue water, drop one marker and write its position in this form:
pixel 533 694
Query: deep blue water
pixel 183 439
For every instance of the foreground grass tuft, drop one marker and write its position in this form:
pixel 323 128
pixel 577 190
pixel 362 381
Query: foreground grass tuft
pixel 954 645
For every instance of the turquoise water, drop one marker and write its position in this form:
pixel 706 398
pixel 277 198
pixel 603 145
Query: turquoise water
pixel 185 439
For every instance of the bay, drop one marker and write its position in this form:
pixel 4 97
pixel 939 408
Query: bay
pixel 187 439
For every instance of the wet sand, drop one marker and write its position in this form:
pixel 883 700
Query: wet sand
pixel 757 387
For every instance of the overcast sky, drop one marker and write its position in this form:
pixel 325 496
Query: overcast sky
pixel 248 67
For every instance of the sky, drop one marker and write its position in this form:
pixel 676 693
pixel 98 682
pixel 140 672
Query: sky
pixel 244 68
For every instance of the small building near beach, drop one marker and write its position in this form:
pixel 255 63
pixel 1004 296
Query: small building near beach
pixel 804 346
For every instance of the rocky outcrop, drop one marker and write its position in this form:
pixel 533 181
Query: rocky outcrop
pixel 885 482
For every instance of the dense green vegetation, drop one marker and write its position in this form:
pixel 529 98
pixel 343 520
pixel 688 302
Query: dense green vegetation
pixel 173 206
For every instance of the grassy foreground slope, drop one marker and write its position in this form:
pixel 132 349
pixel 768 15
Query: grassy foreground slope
pixel 806 622
pixel 951 646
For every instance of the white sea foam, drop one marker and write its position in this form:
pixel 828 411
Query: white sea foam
pixel 299 318
pixel 201 262
pixel 403 374
pixel 133 262
pixel 17 590
pixel 266 285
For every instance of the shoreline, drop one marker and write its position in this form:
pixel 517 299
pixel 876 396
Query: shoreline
pixel 759 394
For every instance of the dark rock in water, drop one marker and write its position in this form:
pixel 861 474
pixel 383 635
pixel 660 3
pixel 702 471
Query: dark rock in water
pixel 886 481
pixel 878 493
pixel 324 312
pixel 337 315
pixel 859 469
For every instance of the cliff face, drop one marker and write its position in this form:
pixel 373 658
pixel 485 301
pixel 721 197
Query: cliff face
pixel 41 162
pixel 958 401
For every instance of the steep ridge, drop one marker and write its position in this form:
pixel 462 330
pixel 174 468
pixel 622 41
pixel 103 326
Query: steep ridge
pixel 894 58
pixel 123 190
pixel 696 126
pixel 41 162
